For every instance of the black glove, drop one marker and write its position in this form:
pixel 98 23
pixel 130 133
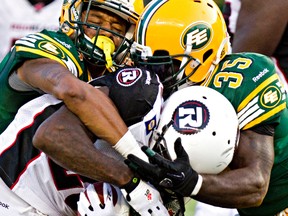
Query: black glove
pixel 175 175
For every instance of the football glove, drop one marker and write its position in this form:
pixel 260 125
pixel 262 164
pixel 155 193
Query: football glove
pixel 176 175
pixel 144 198
pixel 102 199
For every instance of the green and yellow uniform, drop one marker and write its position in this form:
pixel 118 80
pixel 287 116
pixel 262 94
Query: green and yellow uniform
pixel 250 83
pixel 46 44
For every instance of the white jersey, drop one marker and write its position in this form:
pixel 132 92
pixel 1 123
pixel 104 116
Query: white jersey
pixel 19 18
pixel 40 185
pixel 33 177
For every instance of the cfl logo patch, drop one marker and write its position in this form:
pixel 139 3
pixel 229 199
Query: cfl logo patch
pixel 198 36
pixel 190 117
pixel 128 76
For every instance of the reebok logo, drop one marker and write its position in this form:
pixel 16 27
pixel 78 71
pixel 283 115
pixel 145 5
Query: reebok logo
pixel 260 75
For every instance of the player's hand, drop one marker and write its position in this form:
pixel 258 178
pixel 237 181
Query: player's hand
pixel 102 199
pixel 144 198
pixel 175 175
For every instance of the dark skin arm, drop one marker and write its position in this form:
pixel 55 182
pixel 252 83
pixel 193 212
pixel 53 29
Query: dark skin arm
pixel 74 149
pixel 88 103
pixel 260 26
pixel 246 184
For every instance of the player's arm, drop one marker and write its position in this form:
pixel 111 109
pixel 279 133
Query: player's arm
pixel 66 141
pixel 70 144
pixel 257 24
pixel 92 106
pixel 245 185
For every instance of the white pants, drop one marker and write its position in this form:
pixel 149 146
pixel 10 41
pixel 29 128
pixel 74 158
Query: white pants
pixel 13 205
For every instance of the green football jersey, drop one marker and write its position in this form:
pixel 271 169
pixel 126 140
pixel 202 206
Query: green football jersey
pixel 250 83
pixel 45 44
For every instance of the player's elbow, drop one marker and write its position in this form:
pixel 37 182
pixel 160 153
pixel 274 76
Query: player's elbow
pixel 260 190
pixel 71 90
pixel 44 137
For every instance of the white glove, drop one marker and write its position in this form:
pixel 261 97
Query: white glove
pixel 144 198
pixel 105 200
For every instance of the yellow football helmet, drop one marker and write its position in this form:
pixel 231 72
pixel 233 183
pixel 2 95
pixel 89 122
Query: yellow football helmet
pixel 99 50
pixel 191 34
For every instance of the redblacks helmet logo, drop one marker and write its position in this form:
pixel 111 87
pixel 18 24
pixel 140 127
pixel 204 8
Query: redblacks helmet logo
pixel 190 117
pixel 128 76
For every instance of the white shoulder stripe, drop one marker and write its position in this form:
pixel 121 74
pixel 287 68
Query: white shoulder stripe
pixel 25 117
pixel 249 113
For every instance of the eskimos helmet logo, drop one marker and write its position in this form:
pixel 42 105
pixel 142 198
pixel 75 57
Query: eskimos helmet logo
pixel 198 34
pixel 190 117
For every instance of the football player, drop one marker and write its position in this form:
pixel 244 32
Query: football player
pixel 193 49
pixel 93 38
pixel 48 179
pixel 248 32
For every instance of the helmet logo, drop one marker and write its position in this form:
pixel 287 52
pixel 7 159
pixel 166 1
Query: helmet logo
pixel 190 117
pixel 128 76
pixel 198 35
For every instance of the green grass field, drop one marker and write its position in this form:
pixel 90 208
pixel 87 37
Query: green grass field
pixel 190 206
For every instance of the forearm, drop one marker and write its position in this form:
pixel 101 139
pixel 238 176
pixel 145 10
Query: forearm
pixel 89 104
pixel 69 145
pixel 233 189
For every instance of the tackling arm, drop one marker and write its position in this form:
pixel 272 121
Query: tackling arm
pixel 66 140
pixel 88 103
pixel 244 185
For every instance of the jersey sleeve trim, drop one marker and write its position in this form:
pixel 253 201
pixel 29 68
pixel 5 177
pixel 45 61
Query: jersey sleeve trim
pixel 66 51
pixel 256 91
pixel 263 117
pixel 39 52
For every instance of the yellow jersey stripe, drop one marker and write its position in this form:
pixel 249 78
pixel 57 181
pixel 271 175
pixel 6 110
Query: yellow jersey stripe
pixel 265 116
pixel 256 91
pixel 65 50
pixel 39 52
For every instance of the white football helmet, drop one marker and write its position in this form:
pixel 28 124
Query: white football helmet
pixel 102 199
pixel 207 124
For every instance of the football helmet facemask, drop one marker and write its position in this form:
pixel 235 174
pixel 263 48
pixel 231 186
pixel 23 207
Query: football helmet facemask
pixel 180 45
pixel 207 124
pixel 100 49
